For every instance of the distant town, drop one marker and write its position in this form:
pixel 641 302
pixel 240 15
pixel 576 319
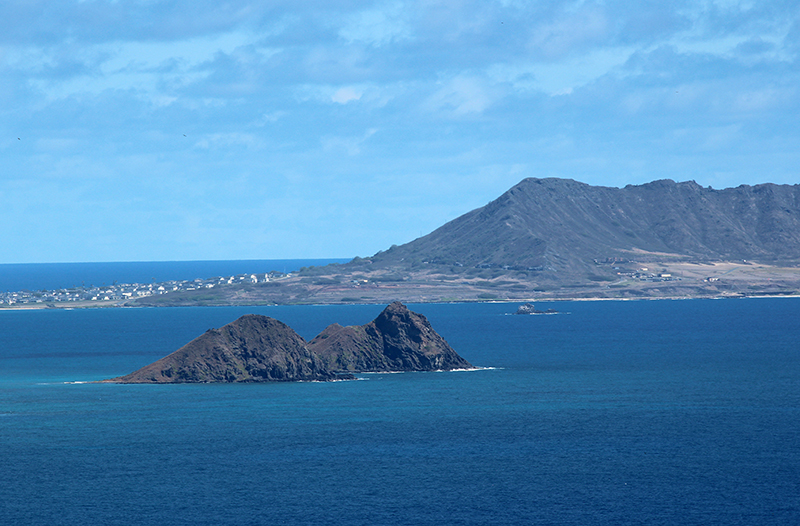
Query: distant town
pixel 120 292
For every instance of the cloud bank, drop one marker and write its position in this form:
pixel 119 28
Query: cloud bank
pixel 205 130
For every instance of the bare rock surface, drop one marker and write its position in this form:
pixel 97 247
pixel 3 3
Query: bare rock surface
pixel 253 348
pixel 397 340
pixel 257 348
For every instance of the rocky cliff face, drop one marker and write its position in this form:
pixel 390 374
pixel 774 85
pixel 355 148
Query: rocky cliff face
pixel 260 349
pixel 397 340
pixel 251 349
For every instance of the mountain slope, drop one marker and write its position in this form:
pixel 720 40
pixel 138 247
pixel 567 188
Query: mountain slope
pixel 561 239
pixel 565 225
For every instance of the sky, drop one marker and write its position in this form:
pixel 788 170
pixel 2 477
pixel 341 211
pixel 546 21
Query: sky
pixel 214 130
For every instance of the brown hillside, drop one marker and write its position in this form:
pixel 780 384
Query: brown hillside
pixel 397 340
pixel 251 349
pixel 565 225
pixel 257 348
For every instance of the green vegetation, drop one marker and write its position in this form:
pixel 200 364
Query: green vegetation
pixel 493 284
pixel 389 278
pixel 320 281
pixel 326 281
pixel 324 270
pixel 596 277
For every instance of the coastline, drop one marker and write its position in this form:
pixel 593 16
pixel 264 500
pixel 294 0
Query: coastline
pixel 509 301
pixel 343 285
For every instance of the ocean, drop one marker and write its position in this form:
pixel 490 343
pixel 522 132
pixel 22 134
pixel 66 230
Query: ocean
pixel 608 413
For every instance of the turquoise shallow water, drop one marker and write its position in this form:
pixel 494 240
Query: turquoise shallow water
pixel 663 412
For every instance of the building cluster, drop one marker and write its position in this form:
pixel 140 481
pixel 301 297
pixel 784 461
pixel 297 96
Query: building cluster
pixel 643 274
pixel 128 291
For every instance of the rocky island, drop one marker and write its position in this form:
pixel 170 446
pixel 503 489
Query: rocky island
pixel 397 340
pixel 529 308
pixel 257 348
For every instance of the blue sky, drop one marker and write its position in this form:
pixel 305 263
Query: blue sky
pixel 186 130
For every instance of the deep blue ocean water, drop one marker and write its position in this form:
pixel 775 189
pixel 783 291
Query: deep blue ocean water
pixel 52 276
pixel 647 412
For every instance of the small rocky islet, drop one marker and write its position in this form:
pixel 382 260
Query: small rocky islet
pixel 256 348
pixel 529 308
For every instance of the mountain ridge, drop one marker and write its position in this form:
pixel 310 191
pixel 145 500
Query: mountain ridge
pixel 563 239
pixel 564 224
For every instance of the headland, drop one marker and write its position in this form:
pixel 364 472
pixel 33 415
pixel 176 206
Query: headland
pixel 542 240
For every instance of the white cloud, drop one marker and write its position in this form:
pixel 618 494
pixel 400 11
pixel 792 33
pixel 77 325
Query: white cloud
pixel 369 96
pixel 378 26
pixel 190 52
pixel 637 91
pixel 569 34
pixel 226 140
pixel 703 139
pixel 462 95
pixel 350 145
pixel 270 117
pixel 345 95
pixel 146 68
pixel 564 76
pixel 768 98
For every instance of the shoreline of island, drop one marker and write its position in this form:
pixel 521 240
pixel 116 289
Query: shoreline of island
pixel 510 301
pixel 343 285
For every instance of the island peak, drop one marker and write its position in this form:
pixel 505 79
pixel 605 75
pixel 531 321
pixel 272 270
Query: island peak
pixel 397 340
pixel 256 348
